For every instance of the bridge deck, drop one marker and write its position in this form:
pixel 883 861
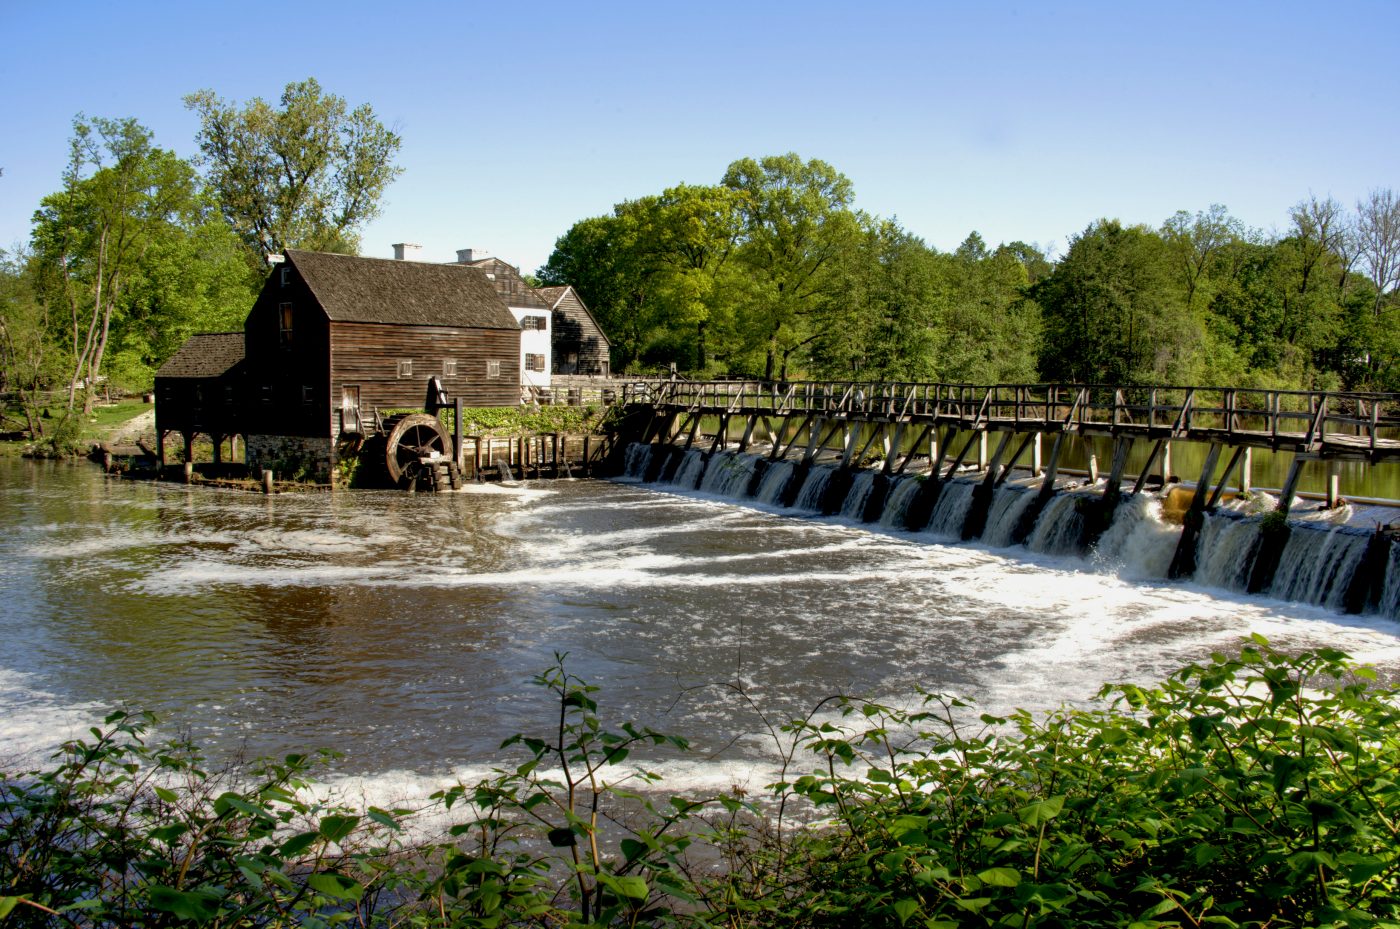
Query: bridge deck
pixel 1315 424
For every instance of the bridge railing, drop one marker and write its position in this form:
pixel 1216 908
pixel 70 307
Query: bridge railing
pixel 1307 417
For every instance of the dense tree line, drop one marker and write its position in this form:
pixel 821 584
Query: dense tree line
pixel 773 273
pixel 139 248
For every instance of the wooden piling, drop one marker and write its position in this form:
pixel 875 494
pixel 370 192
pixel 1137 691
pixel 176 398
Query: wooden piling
pixel 1184 560
pixel 982 494
pixel 267 478
pixel 189 472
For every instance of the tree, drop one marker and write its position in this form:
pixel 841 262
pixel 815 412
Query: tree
pixel 1110 312
pixel 307 175
pixel 1378 240
pixel 990 328
pixel 120 195
pixel 1197 241
pixel 26 348
pixel 796 219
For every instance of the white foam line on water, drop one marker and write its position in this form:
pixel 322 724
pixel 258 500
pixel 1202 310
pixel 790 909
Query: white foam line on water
pixel 35 723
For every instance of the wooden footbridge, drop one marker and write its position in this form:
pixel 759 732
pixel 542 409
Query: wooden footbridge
pixel 899 424
pixel 895 426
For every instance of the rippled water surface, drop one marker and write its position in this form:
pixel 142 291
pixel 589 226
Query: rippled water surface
pixel 402 630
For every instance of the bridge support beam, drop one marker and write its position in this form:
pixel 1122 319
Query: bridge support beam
pixel 1100 517
pixel 983 493
pixel 1184 560
pixel 1274 533
pixel 1031 513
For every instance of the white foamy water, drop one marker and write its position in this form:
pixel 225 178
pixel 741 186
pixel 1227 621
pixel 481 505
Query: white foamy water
pixel 403 630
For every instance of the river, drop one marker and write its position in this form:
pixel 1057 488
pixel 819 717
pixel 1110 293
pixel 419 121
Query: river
pixel 402 630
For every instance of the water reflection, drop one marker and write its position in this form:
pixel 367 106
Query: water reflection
pixel 401 629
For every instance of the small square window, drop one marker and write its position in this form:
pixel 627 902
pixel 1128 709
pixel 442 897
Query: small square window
pixel 286 275
pixel 308 394
pixel 534 362
pixel 449 367
pixel 493 369
pixel 405 367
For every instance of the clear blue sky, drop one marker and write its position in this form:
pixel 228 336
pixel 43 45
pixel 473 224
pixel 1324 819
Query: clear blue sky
pixel 1023 121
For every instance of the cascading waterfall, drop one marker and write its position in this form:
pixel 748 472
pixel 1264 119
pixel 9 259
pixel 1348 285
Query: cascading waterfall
pixel 951 512
pixel 897 503
pixel 775 481
pixel 728 474
pixel 1319 565
pixel 1061 525
pixel 692 468
pixel 809 498
pixel 1225 551
pixel 1390 597
pixel 638 458
pixel 1007 506
pixel 859 495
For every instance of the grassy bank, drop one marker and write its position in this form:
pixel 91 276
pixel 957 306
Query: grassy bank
pixel 1255 790
pixel 73 436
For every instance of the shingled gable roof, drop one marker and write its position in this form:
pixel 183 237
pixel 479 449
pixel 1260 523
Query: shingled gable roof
pixel 505 277
pixel 408 293
pixel 208 354
pixel 554 295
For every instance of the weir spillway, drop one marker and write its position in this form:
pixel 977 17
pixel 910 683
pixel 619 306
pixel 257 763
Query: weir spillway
pixel 941 460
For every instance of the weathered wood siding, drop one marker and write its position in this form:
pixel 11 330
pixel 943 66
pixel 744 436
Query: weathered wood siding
pixel 288 380
pixel 367 356
pixel 576 335
pixel 208 405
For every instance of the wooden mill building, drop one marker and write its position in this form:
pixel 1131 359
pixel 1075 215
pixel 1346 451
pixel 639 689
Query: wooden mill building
pixel 333 337
pixel 580 346
pixel 198 392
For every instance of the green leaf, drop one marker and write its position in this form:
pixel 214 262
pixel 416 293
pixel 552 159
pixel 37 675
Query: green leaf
pixel 335 828
pixel 1000 877
pixel 905 908
pixel 1041 811
pixel 298 843
pixel 194 905
pixel 632 886
pixel 335 885
pixel 7 904
pixel 166 794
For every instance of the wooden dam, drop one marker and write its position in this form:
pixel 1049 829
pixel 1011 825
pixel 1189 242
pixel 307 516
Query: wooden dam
pixel 972 437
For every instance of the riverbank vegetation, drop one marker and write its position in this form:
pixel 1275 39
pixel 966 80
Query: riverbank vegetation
pixel 1254 790
pixel 770 272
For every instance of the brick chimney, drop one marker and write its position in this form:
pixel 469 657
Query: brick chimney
pixel 466 256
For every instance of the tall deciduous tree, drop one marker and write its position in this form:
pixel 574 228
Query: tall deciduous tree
pixel 120 194
pixel 796 220
pixel 1110 312
pixel 27 356
pixel 1378 241
pixel 307 174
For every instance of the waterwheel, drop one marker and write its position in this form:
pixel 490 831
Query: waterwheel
pixel 411 438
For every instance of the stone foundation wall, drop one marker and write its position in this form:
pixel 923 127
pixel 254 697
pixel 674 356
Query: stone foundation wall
pixel 291 457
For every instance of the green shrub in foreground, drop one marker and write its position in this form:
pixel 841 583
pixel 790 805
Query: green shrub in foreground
pixel 1258 790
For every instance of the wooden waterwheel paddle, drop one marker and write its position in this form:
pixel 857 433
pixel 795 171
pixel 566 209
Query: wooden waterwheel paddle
pixel 411 438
